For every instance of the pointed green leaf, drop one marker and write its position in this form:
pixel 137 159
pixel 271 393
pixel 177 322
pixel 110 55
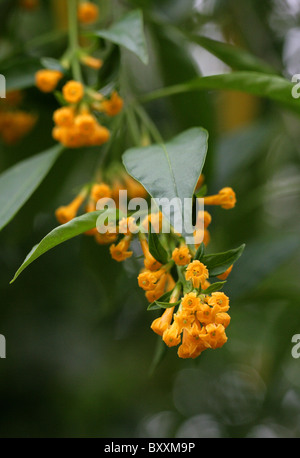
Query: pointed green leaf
pixel 218 263
pixel 59 235
pixel 19 182
pixel 200 252
pixel 164 298
pixel 273 87
pixel 214 287
pixel 171 171
pixel 129 33
pixel 156 248
pixel 235 57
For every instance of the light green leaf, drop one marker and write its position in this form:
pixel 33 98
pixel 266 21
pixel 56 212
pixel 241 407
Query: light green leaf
pixel 235 57
pixel 272 87
pixel 18 183
pixel 164 298
pixel 129 33
pixel 171 171
pixel 59 235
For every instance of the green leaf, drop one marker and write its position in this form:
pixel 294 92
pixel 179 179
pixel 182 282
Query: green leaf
pixel 170 171
pixel 200 252
pixel 235 57
pixel 272 87
pixel 129 33
pixel 218 263
pixel 164 298
pixel 20 72
pixel 156 248
pixel 217 286
pixel 18 183
pixel 59 235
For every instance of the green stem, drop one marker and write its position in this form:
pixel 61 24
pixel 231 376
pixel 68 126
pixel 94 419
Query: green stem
pixel 149 124
pixel 73 39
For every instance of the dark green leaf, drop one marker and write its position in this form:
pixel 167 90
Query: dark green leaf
pixel 164 298
pixel 18 183
pixel 214 287
pixel 200 252
pixel 218 263
pixel 59 235
pixel 235 57
pixel 272 87
pixel 156 248
pixel 129 33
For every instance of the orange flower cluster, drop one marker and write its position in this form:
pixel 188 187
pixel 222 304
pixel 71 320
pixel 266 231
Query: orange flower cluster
pixel 14 123
pixel 199 324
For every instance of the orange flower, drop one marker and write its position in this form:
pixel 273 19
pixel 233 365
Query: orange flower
pixel 73 91
pixel 113 106
pixel 47 80
pixel 181 256
pixel 190 302
pixel 68 212
pixel 226 199
pixel 86 123
pixel 147 280
pixel 220 300
pixel 160 325
pixel 150 262
pixel 120 252
pixel 223 318
pixel 105 239
pixel 99 136
pixel 127 226
pixel 197 273
pixel 225 274
pixel 191 346
pixel 172 336
pixel 92 62
pixel 134 188
pixel 64 117
pixel 100 191
pixel 204 218
pixel 87 13
pixel 206 314
pixel 214 336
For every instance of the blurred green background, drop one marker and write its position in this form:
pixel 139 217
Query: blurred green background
pixel 79 344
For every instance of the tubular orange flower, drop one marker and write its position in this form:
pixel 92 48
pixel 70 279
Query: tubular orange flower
pixel 113 106
pixel 47 80
pixel 92 62
pixel 197 273
pixel 206 314
pixel 147 280
pixel 215 336
pixel 100 191
pixel 66 213
pixel 191 346
pixel 223 318
pixel 106 239
pixel 73 91
pixel 64 117
pixel 190 302
pixel 127 225
pixel 225 274
pixel 87 13
pixel 172 336
pixel 134 188
pixel 219 299
pixel 226 199
pixel 181 256
pixel 120 252
pixel 204 218
pixel 99 136
pixel 150 262
pixel 86 123
pixel 160 325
